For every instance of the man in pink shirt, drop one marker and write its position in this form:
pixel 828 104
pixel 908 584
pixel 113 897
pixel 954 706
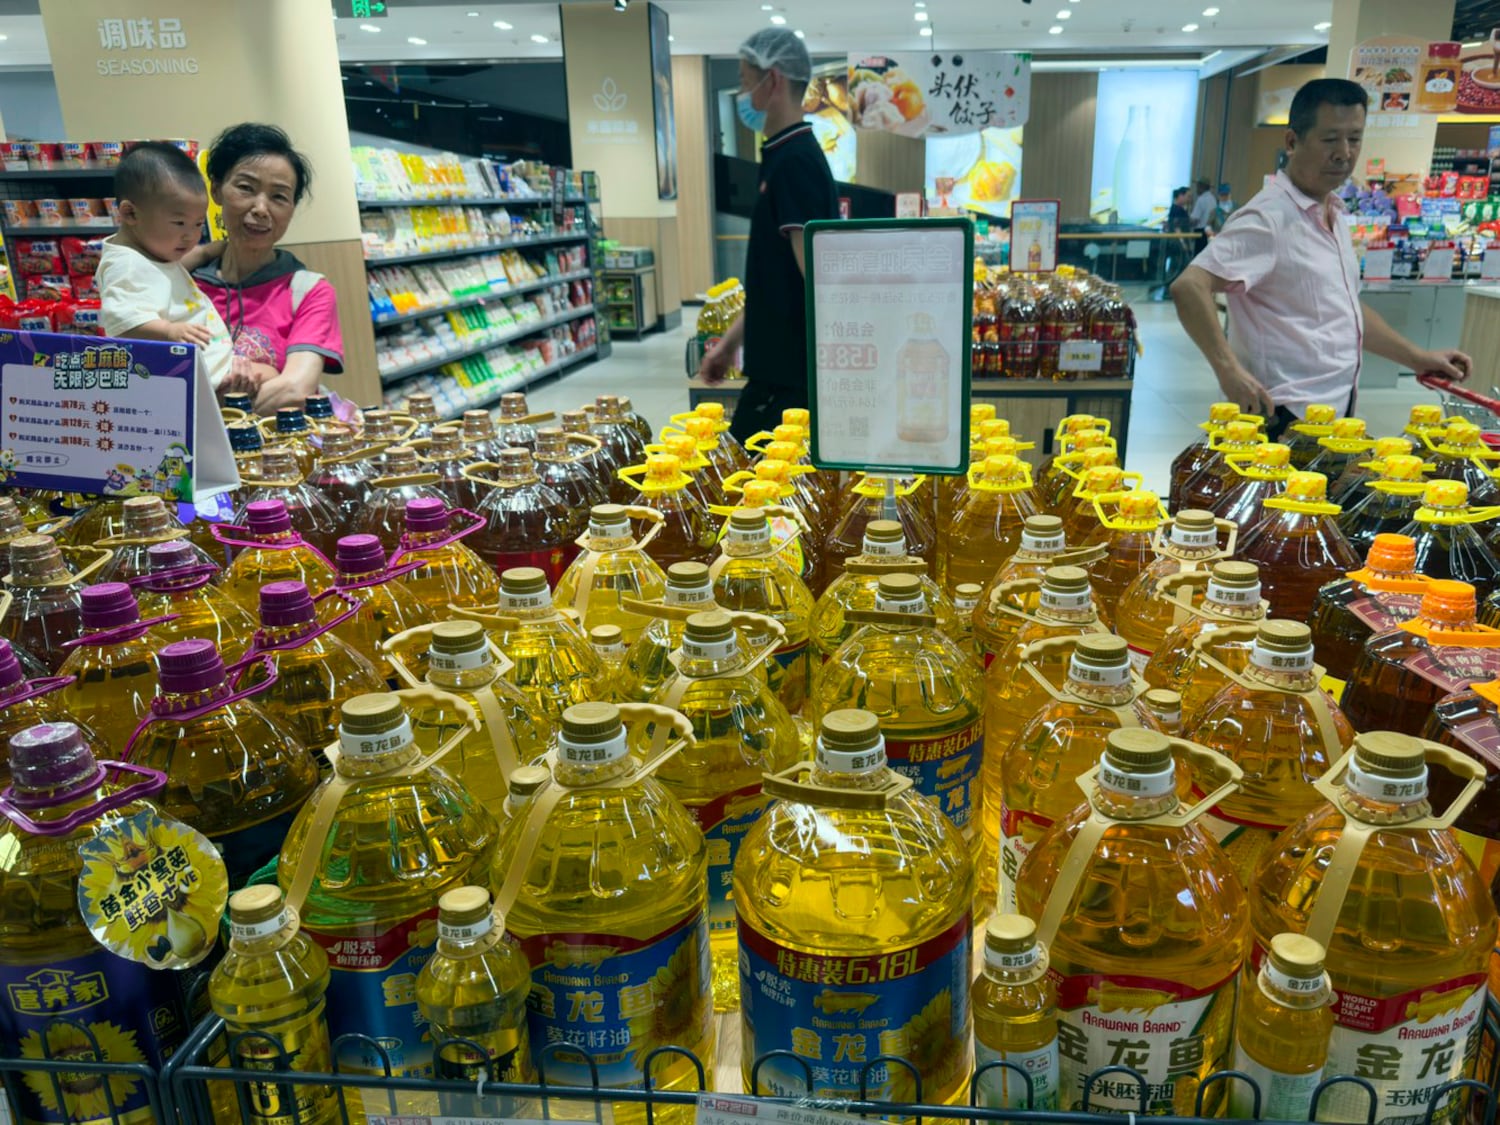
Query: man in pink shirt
pixel 1297 327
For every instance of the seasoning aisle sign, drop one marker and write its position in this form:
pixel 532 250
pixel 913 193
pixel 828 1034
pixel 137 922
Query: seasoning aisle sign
pixel 889 317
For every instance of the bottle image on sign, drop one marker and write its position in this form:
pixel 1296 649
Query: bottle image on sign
pixel 1015 1019
pixel 922 374
pixel 853 898
pixel 1281 1031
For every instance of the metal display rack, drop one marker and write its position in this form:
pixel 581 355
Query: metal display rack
pixel 45 183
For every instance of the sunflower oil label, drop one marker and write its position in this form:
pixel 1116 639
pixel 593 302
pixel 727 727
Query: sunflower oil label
pixel 789 674
pixel 724 821
pixel 945 769
pixel 619 998
pixel 1019 832
pixel 1283 1096
pixel 1407 1047
pixel 1171 1035
pixel 372 991
pixel 130 1011
pixel 1002 1088
pixel 840 1013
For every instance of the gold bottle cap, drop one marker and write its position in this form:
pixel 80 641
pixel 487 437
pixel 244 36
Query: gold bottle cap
pixel 400 461
pixel 11 524
pixel 1390 754
pixel 513 405
pixel 899 587
pixel 447 441
pixel 146 515
pixel 379 425
pixel 748 520
pixel 336 443
pixel 456 637
pixel 575 422
pixel 1284 636
pixel 967 592
pixel 688 575
pixel 528 780
pixel 523 580
pixel 478 425
pixel 1163 701
pixel 884 531
pixel 1235 574
pixel 374 713
pixel 606 636
pixel 463 906
pixel 1009 933
pixel 515 464
pixel 606 515
pixel 850 731
pixel 709 628
pixel 551 440
pixel 1136 750
pixel 1298 955
pixel 276 463
pixel 1066 579
pixel 1194 519
pixel 420 406
pixel 1104 649
pixel 36 559
pixel 260 903
pixel 585 724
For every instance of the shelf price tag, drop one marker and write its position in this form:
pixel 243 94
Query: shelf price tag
pixel 1489 268
pixel 1080 355
pixel 1380 261
pixel 716 1109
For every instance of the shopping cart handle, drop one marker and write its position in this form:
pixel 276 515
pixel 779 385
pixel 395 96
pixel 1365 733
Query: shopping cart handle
pixel 1442 383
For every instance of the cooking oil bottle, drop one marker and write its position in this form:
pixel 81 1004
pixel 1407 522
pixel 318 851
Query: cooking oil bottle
pixel 881 498
pixel 1231 597
pixel 926 691
pixel 603 876
pixel 773 486
pixel 270 991
pixel 988 528
pixel 364 863
pixel 178 594
pixel 626 444
pixel 516 429
pixel 1146 926
pixel 345 470
pixel 1298 547
pixel 1262 475
pixel 1077 453
pixel 47 611
pixel 1449 537
pixel 1067 431
pixel 526 523
pixel 145 522
pixel 1217 476
pixel 451 574
pixel 1460 453
pixel 1426 418
pixel 387 606
pixel 28 697
pixel 1345 444
pixel 566 464
pixel 1080 516
pixel 1282 1031
pixel 1059 742
pixel 1317 423
pixel 648 662
pixel 293 434
pixel 270 552
pixel 480 436
pixel 1042 547
pixel 752 576
pixel 472 993
pixel 113 674
pixel 1196 455
pixel 1189 544
pixel 820 981
pixel 1351 609
pixel 1407 924
pixel 614 566
pixel 740 733
pixel 609 646
pixel 1128 535
pixel 686 533
pixel 402 479
pixel 1281 729
pixel 1015 1019
pixel 278 476
pixel 1388 504
pixel 710 441
pixel 314 671
pixel 1347 486
pixel 815 505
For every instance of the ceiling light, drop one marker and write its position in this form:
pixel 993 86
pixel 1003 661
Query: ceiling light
pixel 1055 29
pixel 416 41
pixel 1065 14
pixel 671 38
pixel 920 17
pixel 1324 26
pixel 920 4
pixel 369 27
pixel 1189 27
pixel 778 20
pixel 1210 12
pixel 768 7
pixel 540 39
pixel 503 26
pixel 471 15
pixel 798 34
pixel 924 30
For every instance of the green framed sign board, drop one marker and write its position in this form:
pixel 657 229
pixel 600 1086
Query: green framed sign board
pixel 890 306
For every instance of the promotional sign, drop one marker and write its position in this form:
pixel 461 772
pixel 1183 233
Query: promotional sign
pixel 1387 68
pixel 1033 235
pixel 1145 126
pixel 922 93
pixel 908 205
pixel 889 317
pixel 110 417
pixel 1380 261
pixel 1438 265
pixel 975 172
pixel 1489 267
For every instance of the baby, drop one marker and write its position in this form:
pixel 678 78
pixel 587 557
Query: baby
pixel 146 289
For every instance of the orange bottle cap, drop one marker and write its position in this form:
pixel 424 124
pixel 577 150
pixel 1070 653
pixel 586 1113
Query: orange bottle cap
pixel 1445 494
pixel 1403 466
pixel 1348 429
pixel 1139 505
pixel 1223 413
pixel 1272 455
pixel 1392 554
pixel 1320 414
pixel 1308 487
pixel 1425 414
pixel 1449 603
pixel 1388 447
pixel 1241 433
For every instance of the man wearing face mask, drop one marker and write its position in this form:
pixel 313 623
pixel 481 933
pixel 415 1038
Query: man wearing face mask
pixel 796 187
pixel 1286 264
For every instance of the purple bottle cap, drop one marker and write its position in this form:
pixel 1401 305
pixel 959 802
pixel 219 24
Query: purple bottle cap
pixel 109 605
pixel 10 667
pixel 171 555
pixel 267 517
pixel 426 514
pixel 51 756
pixel 189 666
pixel 361 554
pixel 286 603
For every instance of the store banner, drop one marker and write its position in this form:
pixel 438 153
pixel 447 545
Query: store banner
pixel 110 417
pixel 889 316
pixel 930 93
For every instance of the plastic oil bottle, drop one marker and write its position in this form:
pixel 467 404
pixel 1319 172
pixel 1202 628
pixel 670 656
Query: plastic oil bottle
pixel 1450 537
pixel 706 486
pixel 1345 445
pixel 1129 534
pixel 402 479
pixel 1074 469
pixel 1406 921
pixel 1067 429
pixel 1196 455
pixel 271 552
pixel 609 646
pixel 1426 418
pixel 1298 547
pixel 1344 489
pixel 1349 610
pixel 1461 454
pixel 294 435
pixel 687 534
pixel 565 463
pixel 365 863
pixel 881 498
pixel 480 436
pixel 614 566
pixel 1189 544
pixel 751 576
pixel 988 528
pixel 526 523
pixel 1388 504
pixel 1015 1019
pixel 29 697
pixel 1276 723
pixel 472 993
pixel 181 589
pixel 451 574
pixel 816 505
pixel 847 821
pixel 1262 475
pixel 1042 546
pixel 47 611
pixel 1282 1031
pixel 740 733
pixel 711 439
pixel 1231 597
pixel 1303 437
pixel 1146 927
pixel 278 476
pixel 114 678
pixel 606 874
pixel 773 485
pixel 1058 475
pixel 626 444
pixel 1216 476
pixel 387 606
pixel 270 991
pixel 344 474
pixel 146 522
pixel 1081 523
pixel 516 429
pixel 59 799
pixel 648 662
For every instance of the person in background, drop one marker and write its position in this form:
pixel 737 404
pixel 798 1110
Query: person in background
pixel 1205 203
pixel 796 187
pixel 1174 250
pixel 1224 207
pixel 283 317
pixel 1287 266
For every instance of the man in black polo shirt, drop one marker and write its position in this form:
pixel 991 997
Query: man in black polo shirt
pixel 795 188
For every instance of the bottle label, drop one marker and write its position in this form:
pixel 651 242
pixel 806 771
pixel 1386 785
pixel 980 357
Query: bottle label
pixel 1067 601
pixel 1019 832
pixel 1381 611
pixel 901 606
pixel 1242 842
pixel 131 1011
pixel 1273 660
pixel 1094 675
pixel 1042 544
pixel 1003 1088
pixel 373 992
pixel 619 997
pixel 1406 1047
pixel 458 661
pixel 506 1056
pixel 895 549
pixel 367 746
pixel 465 933
pixel 697 595
pixel 964 607
pixel 1163 1030
pixel 1234 596
pixel 551 561
pixel 301 1044
pixel 710 650
pixel 1194 539
pixel 1452 668
pixel 1139 658
pixel 539 600
pixel 1283 1097
pixel 250 931
pixel 945 769
pixel 839 1013
pixel 724 821
pixel 789 674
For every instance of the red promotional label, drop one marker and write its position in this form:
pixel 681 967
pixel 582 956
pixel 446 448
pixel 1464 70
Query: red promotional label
pixel 1382 611
pixel 1453 667
pixel 551 561
pixel 1430 1006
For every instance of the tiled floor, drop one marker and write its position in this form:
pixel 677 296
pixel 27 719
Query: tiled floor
pixel 1172 391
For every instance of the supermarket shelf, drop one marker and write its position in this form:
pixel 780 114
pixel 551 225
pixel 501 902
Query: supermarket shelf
pixel 68 226
pixel 480 201
pixel 485 248
pixel 556 367
pixel 70 172
pixel 402 373
pixel 469 302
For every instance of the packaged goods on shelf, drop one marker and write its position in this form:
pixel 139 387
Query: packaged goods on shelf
pixel 1022 323
pixel 398 291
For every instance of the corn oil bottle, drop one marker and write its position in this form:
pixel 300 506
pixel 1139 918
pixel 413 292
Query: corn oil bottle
pixel 685 533
pixel 1461 454
pixel 1388 504
pixel 270 552
pixel 1146 927
pixel 988 528
pixel 1298 547
pixel 29 697
pixel 451 574
pixel 1450 537
pixel 114 677
pixel 48 608
pixel 526 523
pixel 1349 610
pixel 1344 489
pixel 1188 545
pixel 1282 1031
pixel 881 498
pixel 1128 535
pixel 179 595
pixel 1262 474
pixel 387 606
pixel 1317 423
pixel 1231 597
pixel 901 960
pixel 772 486
pixel 1217 476
pixel 613 568
pixel 1015 1019
pixel 1195 455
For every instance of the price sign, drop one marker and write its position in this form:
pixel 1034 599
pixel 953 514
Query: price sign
pixel 1489 268
pixel 889 314
pixel 1080 355
pixel 1380 260
pixel 1439 263
pixel 716 1109
pixel 908 205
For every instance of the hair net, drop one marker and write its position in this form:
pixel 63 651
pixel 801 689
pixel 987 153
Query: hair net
pixel 777 48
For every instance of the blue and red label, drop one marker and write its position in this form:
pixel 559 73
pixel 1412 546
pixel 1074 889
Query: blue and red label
pixel 792 676
pixel 945 769
pixel 619 998
pixel 839 1013
pixel 724 821
pixel 131 1014
pixel 372 991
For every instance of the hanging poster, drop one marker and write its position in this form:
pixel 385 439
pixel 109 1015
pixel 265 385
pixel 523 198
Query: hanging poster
pixel 929 93
pixel 1387 68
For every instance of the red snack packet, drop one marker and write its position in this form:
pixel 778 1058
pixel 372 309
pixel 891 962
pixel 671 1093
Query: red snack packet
pixel 37 256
